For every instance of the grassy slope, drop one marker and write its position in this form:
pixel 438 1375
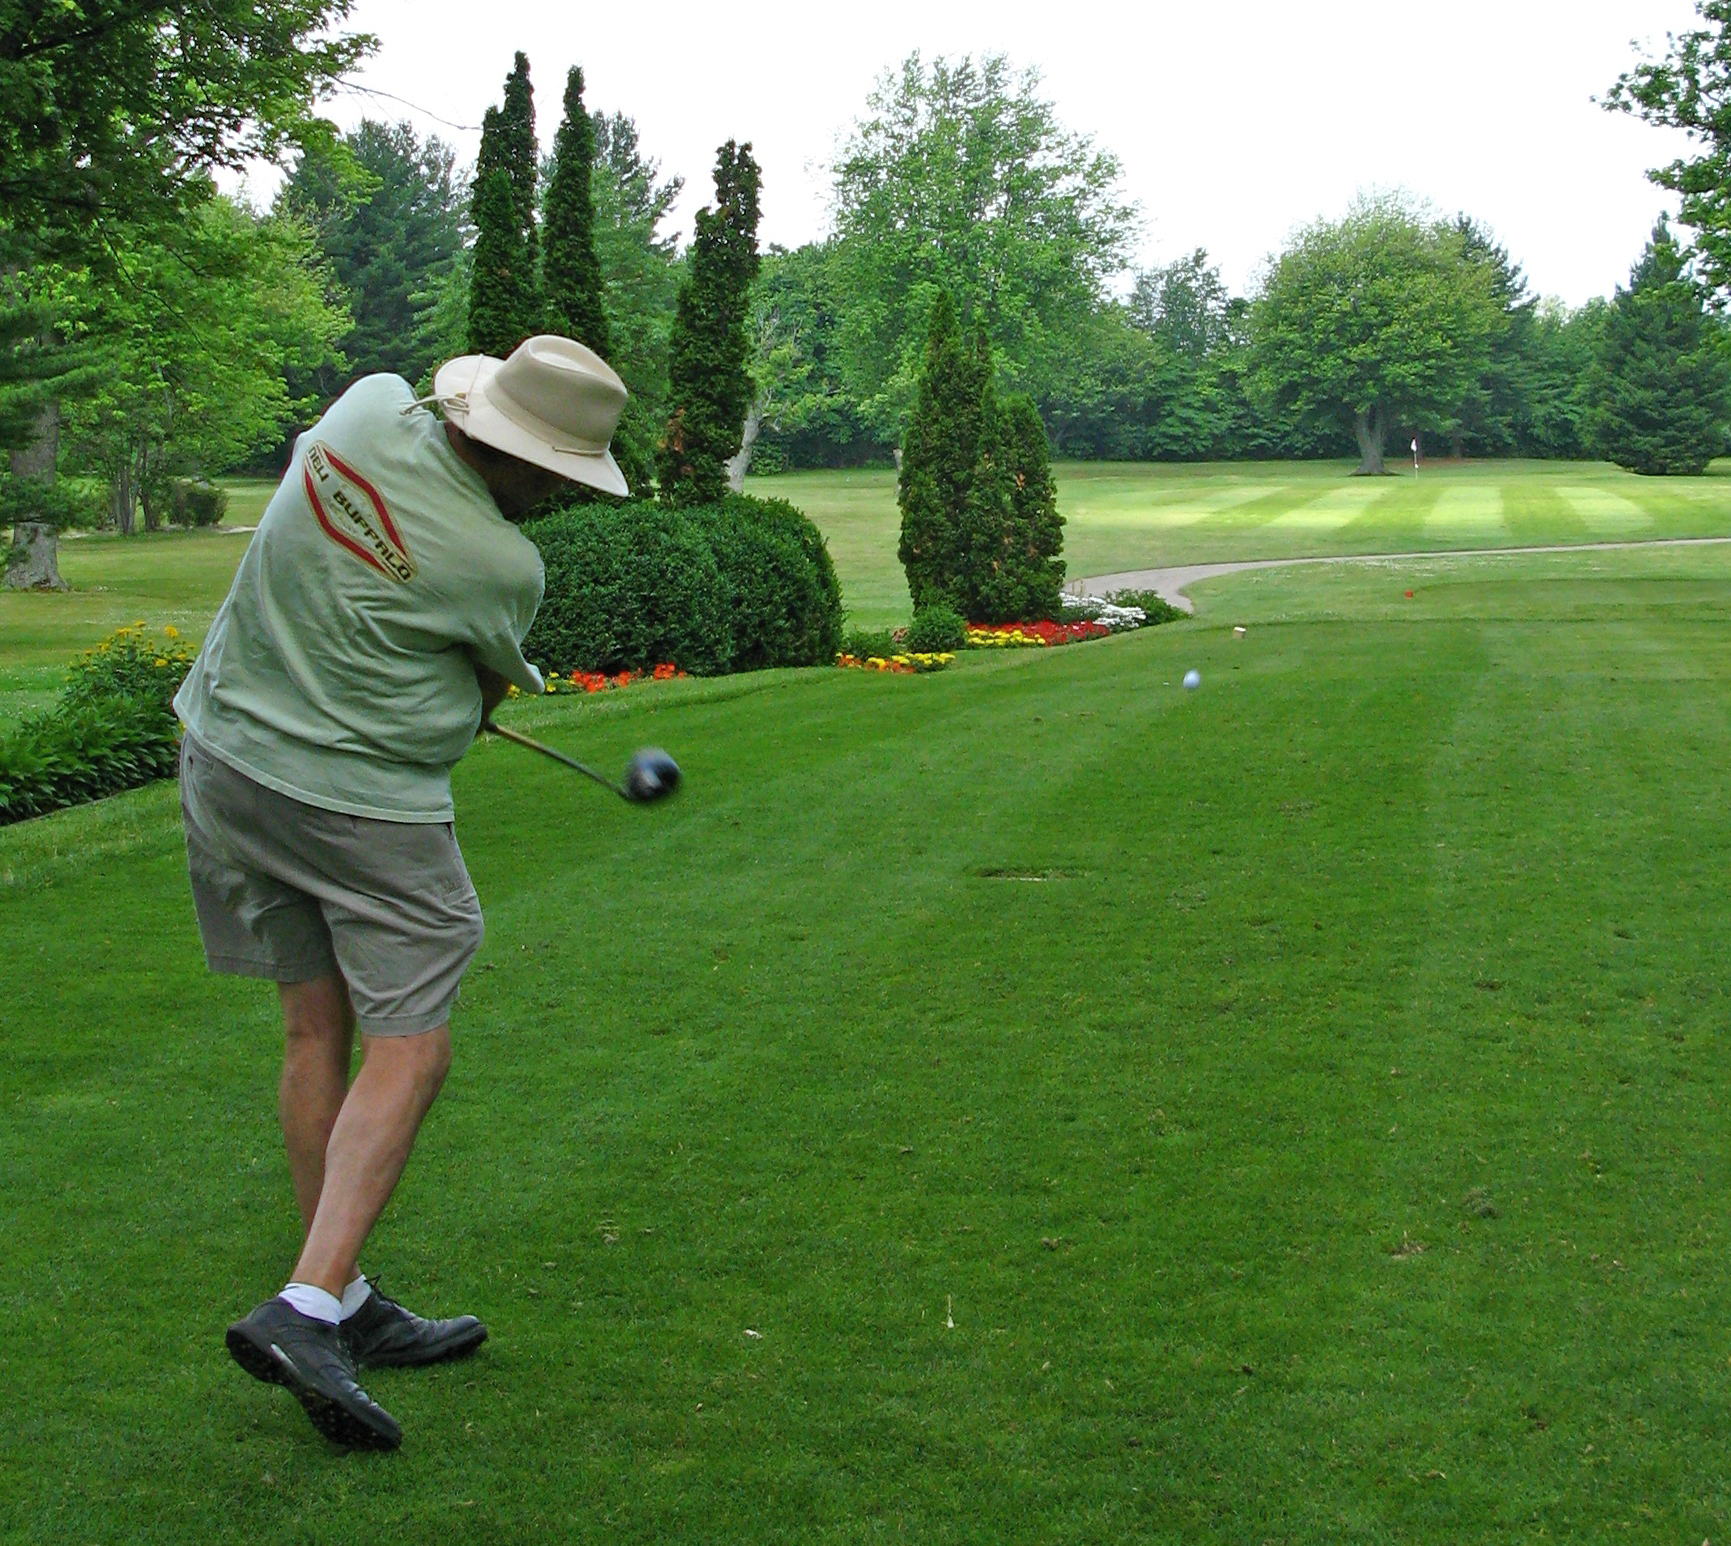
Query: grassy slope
pixel 1415 910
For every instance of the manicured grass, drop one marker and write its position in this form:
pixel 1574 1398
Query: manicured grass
pixel 160 577
pixel 1293 1110
pixel 1120 517
pixel 1131 516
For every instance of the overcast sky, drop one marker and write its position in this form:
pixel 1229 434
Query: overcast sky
pixel 1235 120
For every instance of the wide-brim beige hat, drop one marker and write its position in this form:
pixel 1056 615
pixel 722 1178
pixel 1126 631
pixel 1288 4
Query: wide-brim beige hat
pixel 553 403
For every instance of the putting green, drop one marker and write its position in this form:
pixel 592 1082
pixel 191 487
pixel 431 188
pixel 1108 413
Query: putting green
pixel 1026 1103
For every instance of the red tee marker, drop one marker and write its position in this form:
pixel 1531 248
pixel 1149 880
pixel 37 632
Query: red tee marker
pixel 1409 595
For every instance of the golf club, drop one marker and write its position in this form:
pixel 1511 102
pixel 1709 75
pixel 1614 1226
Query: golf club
pixel 650 775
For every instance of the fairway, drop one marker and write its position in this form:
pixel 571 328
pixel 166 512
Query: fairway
pixel 1026 1103
pixel 1120 516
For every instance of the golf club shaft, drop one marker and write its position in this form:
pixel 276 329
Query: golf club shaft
pixel 547 751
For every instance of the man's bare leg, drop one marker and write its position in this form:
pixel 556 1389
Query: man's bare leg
pixel 369 1145
pixel 318 1047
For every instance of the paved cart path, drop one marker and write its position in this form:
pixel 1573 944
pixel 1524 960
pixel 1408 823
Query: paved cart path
pixel 1169 584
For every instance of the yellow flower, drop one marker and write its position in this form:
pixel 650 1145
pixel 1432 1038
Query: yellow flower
pixel 172 631
pixel 160 661
pixel 139 623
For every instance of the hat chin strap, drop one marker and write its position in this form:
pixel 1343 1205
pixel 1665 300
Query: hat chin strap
pixel 447 401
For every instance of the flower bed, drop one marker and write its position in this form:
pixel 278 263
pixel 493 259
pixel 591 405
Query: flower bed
pixel 1032 635
pixel 112 728
pixel 913 663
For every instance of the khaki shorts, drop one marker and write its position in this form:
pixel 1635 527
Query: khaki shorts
pixel 290 892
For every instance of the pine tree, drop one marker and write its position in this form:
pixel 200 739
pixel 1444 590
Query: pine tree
pixel 570 268
pixel 504 287
pixel 1661 386
pixel 709 388
pixel 940 453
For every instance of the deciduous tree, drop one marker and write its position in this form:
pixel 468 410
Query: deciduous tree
pixel 1690 89
pixel 112 113
pixel 117 109
pixel 1372 321
pixel 961 179
pixel 195 352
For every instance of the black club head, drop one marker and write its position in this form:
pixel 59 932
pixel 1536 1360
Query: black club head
pixel 651 775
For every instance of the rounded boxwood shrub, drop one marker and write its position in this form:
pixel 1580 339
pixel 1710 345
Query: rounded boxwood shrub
pixel 784 598
pixel 934 630
pixel 734 586
pixel 629 586
pixel 197 502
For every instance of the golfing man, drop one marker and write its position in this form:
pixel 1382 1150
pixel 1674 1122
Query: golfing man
pixel 376 620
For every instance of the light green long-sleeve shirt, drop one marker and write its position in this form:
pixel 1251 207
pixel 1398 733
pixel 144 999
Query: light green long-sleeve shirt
pixel 341 668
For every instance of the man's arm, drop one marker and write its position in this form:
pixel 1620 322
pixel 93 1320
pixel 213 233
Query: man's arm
pixel 493 690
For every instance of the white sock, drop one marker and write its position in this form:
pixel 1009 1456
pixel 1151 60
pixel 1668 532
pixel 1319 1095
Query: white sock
pixel 314 1302
pixel 355 1295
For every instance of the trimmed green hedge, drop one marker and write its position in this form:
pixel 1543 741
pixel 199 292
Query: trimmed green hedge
pixel 628 587
pixel 735 586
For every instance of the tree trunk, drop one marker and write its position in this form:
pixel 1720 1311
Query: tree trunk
pixel 739 464
pixel 123 502
pixel 38 459
pixel 897 453
pixel 1460 448
pixel 1372 430
pixel 34 561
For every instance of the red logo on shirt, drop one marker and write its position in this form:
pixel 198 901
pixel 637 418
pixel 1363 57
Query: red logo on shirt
pixel 353 515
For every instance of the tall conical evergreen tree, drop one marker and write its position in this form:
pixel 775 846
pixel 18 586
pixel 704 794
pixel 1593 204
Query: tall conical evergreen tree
pixel 709 388
pixel 504 289
pixel 980 526
pixel 1661 386
pixel 940 454
pixel 570 270
pixel 1014 571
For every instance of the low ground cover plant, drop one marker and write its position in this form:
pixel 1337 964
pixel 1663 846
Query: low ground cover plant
pixel 936 629
pixel 113 727
pixel 1154 607
pixel 869 643
pixel 740 585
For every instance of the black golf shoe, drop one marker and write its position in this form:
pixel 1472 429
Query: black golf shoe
pixel 383 1334
pixel 279 1345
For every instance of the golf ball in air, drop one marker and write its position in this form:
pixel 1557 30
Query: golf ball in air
pixel 1192 680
